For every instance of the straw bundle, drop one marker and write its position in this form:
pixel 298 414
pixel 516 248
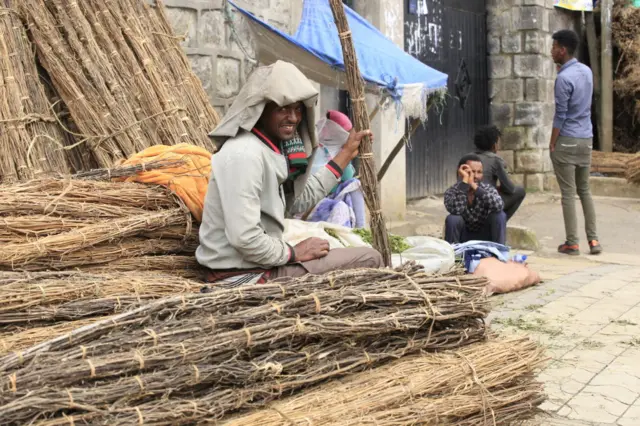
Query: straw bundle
pixel 612 163
pixel 464 387
pixel 30 140
pixel 80 294
pixel 199 357
pixel 122 74
pixel 13 339
pixel 181 266
pixel 368 174
pixel 59 224
pixel 633 169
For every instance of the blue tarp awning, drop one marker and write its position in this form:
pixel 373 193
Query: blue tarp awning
pixel 316 50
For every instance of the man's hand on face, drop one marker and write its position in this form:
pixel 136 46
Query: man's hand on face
pixel 351 148
pixel 311 249
pixel 465 173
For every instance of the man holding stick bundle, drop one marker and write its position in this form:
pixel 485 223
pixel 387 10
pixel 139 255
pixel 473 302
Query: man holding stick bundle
pixel 261 174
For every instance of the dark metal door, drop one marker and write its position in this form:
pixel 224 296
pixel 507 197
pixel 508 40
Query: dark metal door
pixel 450 36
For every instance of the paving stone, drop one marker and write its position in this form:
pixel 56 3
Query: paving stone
pixel 589 359
pixel 632 315
pixel 608 284
pixel 595 408
pixel 570 304
pixel 557 396
pixel 561 372
pixel 631 417
pixel 621 329
pixel 618 393
pixel 628 295
pixel 612 376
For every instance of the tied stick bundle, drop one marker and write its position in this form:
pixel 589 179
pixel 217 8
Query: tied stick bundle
pixel 612 163
pixel 368 173
pixel 59 224
pixel 122 74
pixel 30 297
pixel 238 348
pixel 30 140
pixel 633 169
pixel 484 382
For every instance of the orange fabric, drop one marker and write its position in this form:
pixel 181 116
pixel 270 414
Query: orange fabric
pixel 189 181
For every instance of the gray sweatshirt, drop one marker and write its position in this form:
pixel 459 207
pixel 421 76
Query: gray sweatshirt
pixel 245 206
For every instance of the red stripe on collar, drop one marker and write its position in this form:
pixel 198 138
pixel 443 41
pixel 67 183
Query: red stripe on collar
pixel 266 140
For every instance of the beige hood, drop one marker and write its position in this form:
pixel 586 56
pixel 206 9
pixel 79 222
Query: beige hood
pixel 281 83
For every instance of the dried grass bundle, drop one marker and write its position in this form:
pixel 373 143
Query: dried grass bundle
pixel 612 163
pixel 82 294
pixel 633 169
pixel 64 223
pixel 83 199
pixel 368 174
pixel 31 141
pixel 181 266
pixel 235 348
pixel 122 74
pixel 18 338
pixel 22 255
pixel 465 387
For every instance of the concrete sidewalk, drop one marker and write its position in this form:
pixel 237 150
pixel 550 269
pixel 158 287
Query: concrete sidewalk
pixel 587 315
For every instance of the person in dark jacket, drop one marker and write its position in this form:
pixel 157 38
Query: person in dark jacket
pixel 475 207
pixel 487 141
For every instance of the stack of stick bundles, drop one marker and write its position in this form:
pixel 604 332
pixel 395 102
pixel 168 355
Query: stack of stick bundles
pixel 201 357
pixel 58 224
pixel 30 138
pixel 117 70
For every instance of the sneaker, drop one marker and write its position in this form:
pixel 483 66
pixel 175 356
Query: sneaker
pixel 595 247
pixel 572 250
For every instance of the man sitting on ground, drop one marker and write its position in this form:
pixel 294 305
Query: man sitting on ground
pixel 487 141
pixel 475 207
pixel 261 174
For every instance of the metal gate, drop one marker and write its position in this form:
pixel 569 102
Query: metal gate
pixel 450 36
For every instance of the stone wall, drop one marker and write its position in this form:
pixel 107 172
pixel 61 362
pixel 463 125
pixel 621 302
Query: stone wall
pixel 522 76
pixel 219 43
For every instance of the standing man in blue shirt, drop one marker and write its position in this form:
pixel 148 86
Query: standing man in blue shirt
pixel 572 140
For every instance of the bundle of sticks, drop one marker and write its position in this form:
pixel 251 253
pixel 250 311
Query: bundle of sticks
pixel 489 383
pixel 611 163
pixel 37 306
pixel 31 142
pixel 56 224
pixel 633 169
pixel 117 68
pixel 200 357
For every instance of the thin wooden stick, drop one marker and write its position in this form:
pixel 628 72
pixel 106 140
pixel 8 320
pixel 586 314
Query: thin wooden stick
pixel 355 85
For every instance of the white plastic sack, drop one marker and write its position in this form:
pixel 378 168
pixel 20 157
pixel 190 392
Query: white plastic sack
pixel 435 255
pixel 331 137
pixel 297 231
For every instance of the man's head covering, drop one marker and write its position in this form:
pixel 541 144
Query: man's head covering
pixel 281 83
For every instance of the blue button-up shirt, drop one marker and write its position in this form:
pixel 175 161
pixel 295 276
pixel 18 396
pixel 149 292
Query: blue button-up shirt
pixel 573 92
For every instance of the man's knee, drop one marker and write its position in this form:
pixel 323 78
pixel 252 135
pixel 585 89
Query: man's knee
pixel 370 258
pixel 520 193
pixel 357 257
pixel 498 218
pixel 454 221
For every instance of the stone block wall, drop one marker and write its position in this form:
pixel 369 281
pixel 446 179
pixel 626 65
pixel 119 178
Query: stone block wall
pixel 522 76
pixel 218 41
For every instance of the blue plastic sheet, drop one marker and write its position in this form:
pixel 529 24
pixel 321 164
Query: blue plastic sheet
pixel 381 61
